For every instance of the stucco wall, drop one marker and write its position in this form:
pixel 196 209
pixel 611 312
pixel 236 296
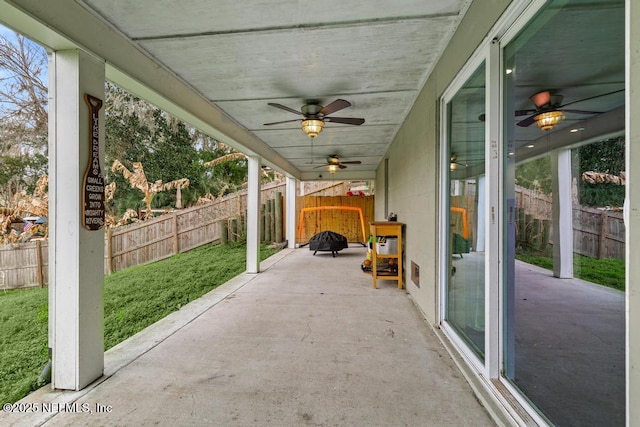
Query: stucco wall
pixel 413 166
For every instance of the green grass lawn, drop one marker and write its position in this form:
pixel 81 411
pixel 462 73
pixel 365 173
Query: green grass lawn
pixel 606 272
pixel 133 299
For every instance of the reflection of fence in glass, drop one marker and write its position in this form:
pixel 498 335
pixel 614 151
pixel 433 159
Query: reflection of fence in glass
pixel 597 233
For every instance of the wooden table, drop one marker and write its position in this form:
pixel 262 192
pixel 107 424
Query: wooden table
pixel 387 229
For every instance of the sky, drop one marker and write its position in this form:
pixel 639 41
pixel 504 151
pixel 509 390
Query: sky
pixel 10 35
pixel 7 32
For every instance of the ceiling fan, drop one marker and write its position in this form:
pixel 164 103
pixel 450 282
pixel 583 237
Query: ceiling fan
pixel 315 115
pixel 454 163
pixel 334 163
pixel 550 110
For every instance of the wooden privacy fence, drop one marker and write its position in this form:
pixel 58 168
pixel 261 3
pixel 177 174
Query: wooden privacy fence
pixel 167 235
pixel 345 222
pixel 597 233
pixel 26 264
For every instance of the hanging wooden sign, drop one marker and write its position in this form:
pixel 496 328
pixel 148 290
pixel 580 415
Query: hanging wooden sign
pixel 93 206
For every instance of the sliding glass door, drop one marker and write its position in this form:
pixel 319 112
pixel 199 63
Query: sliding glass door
pixel 532 235
pixel 563 97
pixel 465 288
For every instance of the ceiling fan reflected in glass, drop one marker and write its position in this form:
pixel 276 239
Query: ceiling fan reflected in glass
pixel 453 165
pixel 334 164
pixel 550 111
pixel 315 116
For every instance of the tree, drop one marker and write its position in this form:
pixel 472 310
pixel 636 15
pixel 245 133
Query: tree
pixel 168 148
pixel 535 175
pixel 604 157
pixel 23 115
pixel 138 179
pixel 136 131
pixel 23 91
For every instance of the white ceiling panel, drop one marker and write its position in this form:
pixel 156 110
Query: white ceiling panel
pixel 240 55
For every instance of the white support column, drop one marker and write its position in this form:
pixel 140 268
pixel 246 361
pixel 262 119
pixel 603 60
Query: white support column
pixel 76 257
pixel 292 184
pixel 253 215
pixel 632 233
pixel 562 214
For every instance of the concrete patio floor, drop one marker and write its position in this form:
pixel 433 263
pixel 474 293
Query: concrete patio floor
pixel 308 341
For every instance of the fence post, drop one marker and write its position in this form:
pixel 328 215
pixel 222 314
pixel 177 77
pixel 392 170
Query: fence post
pixel 109 251
pixel 528 232
pixel 262 222
pixel 522 225
pixel 546 234
pixel 234 230
pixel 224 230
pixel 537 233
pixel 243 224
pixel 267 222
pixel 602 249
pixel 278 217
pixel 272 219
pixel 176 242
pixel 39 263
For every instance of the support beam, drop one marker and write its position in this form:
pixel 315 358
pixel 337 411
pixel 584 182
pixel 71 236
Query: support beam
pixel 253 215
pixel 562 213
pixel 76 262
pixel 290 220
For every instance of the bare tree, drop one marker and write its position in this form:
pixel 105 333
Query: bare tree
pixel 138 179
pixel 23 115
pixel 23 92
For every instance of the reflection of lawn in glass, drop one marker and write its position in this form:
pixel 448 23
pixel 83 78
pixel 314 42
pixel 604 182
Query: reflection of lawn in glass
pixel 465 311
pixel 607 272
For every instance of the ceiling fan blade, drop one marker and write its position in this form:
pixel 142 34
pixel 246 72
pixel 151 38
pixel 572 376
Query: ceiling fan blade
pixel 285 108
pixel 345 120
pixel 528 121
pixel 524 112
pixel 592 97
pixel 336 105
pixel 284 121
pixel 581 111
pixel 321 166
pixel 352 162
pixel 341 166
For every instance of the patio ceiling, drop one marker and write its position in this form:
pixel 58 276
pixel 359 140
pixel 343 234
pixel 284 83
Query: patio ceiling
pixel 241 55
pixel 574 49
pixel 222 62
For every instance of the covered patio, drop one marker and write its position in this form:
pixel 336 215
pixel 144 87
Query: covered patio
pixel 307 341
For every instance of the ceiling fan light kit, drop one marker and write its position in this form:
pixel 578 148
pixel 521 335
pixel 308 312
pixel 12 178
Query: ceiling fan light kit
pixel 312 127
pixel 550 111
pixel 547 120
pixel 334 164
pixel 453 163
pixel 315 115
pixel 332 168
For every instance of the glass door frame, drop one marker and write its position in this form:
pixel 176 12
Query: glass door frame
pixel 491 371
pixel 479 58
